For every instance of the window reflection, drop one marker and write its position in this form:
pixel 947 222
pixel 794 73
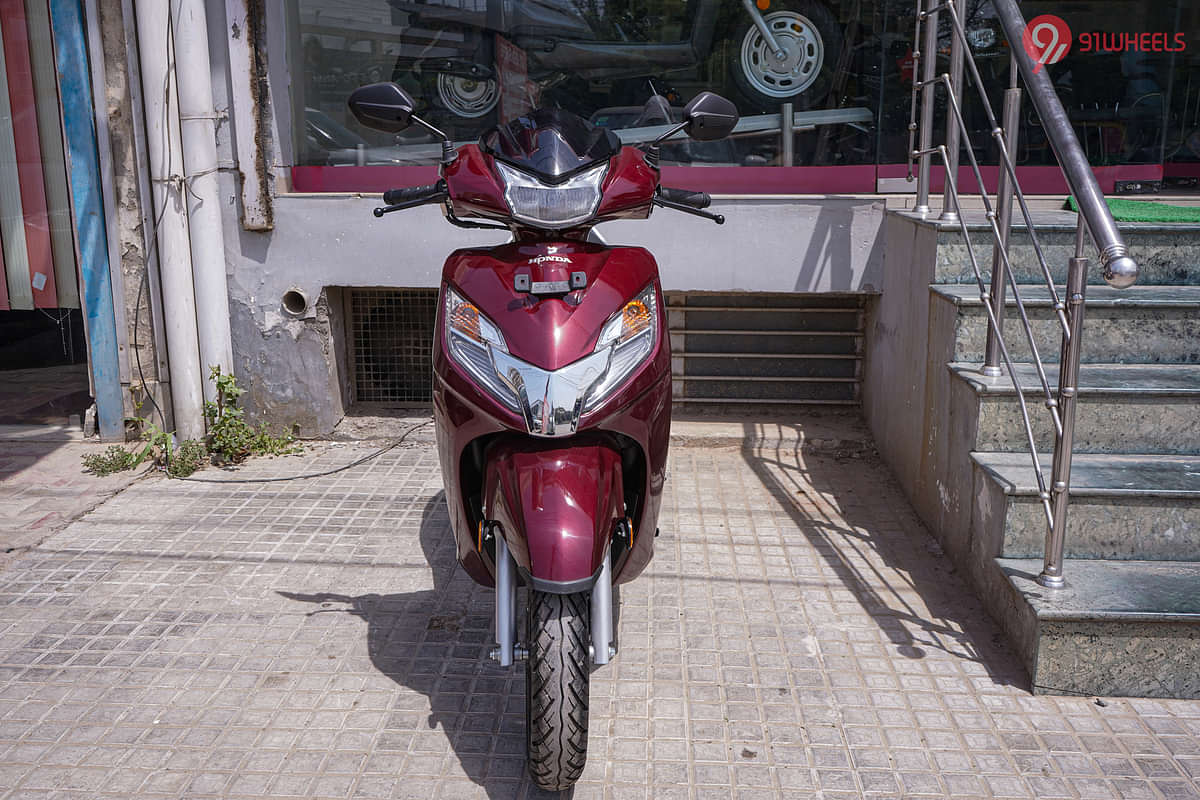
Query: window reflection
pixel 633 64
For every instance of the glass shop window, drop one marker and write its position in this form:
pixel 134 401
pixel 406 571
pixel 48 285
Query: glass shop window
pixel 842 68
pixel 471 64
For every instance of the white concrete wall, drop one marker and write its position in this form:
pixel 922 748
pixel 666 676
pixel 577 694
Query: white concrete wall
pixel 289 364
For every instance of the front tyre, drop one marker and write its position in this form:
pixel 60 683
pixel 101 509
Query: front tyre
pixel 556 688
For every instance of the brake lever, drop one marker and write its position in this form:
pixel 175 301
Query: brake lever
pixel 422 201
pixel 717 218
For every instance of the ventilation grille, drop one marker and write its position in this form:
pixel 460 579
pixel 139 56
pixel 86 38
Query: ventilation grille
pixel 765 349
pixel 393 344
pixel 726 349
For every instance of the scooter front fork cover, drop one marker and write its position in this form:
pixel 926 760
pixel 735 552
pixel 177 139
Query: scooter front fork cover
pixel 557 505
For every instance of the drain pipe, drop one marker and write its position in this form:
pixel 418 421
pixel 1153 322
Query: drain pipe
pixel 165 145
pixel 197 117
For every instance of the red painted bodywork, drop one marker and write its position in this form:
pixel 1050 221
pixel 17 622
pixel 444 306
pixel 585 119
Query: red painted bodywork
pixel 475 189
pixel 557 500
pixel 565 496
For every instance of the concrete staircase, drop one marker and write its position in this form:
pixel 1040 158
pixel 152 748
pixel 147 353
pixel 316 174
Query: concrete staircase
pixel 1128 622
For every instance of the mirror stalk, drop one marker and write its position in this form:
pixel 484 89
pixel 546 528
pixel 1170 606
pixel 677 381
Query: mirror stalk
pixel 652 151
pixel 449 154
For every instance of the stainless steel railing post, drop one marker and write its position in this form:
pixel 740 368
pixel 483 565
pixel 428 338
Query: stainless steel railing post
pixel 928 67
pixel 1004 202
pixel 1068 390
pixel 949 214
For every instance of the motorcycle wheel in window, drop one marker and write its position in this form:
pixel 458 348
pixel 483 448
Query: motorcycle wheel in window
pixel 467 97
pixel 801 72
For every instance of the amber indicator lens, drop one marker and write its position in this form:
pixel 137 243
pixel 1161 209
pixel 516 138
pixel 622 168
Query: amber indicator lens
pixel 465 320
pixel 635 318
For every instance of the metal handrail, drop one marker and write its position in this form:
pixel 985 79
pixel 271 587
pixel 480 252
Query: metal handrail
pixel 1120 270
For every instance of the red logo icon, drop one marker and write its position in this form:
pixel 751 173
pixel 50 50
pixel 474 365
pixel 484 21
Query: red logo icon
pixel 1047 40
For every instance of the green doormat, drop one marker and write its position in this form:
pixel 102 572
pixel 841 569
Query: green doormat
pixel 1145 211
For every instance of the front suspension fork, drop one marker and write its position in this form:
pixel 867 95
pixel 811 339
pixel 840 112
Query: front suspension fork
pixel 508 650
pixel 506 605
pixel 757 18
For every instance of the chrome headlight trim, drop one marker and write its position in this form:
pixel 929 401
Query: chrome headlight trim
pixel 629 344
pixel 552 401
pixel 543 205
pixel 473 349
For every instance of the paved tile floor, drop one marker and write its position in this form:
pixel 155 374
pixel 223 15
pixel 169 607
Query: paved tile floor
pixel 798 635
pixel 42 483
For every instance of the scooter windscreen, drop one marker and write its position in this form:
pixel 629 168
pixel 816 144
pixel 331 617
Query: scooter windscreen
pixel 550 143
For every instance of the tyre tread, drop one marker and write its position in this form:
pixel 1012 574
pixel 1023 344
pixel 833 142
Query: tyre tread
pixel 557 688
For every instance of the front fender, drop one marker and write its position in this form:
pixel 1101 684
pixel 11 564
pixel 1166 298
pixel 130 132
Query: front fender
pixel 557 504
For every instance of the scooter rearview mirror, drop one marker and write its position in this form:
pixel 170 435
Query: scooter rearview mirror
pixel 382 106
pixel 709 117
pixel 386 107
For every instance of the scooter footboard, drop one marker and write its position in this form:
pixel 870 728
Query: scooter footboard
pixel 557 504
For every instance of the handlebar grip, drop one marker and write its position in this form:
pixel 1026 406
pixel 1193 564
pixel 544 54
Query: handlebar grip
pixel 413 193
pixel 685 197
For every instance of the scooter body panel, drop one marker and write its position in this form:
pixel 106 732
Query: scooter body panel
pixel 552 332
pixel 557 504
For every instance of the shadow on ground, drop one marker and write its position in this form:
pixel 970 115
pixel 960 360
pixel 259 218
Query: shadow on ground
pixel 891 566
pixel 436 642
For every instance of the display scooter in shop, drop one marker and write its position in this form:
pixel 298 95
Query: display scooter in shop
pixel 775 51
pixel 552 387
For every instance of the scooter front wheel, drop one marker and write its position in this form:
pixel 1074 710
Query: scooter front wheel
pixel 556 688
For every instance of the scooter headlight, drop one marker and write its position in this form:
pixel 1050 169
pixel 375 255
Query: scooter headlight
pixel 552 206
pixel 629 334
pixel 470 339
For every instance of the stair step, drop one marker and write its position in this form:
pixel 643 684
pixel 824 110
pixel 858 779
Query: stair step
pixel 1122 408
pixel 1123 628
pixel 1134 507
pixel 1134 379
pixel 1037 295
pixel 1101 475
pixel 1167 255
pixel 759 321
pixel 1138 325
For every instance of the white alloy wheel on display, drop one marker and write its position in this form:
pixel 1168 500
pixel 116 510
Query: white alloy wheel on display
pixel 467 97
pixel 804 55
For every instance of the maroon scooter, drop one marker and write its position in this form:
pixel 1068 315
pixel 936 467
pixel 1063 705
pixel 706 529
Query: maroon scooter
pixel 552 387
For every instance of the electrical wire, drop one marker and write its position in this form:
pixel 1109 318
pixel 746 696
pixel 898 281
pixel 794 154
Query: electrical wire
pixel 137 310
pixel 333 471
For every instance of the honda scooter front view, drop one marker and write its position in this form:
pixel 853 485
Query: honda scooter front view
pixel 552 387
